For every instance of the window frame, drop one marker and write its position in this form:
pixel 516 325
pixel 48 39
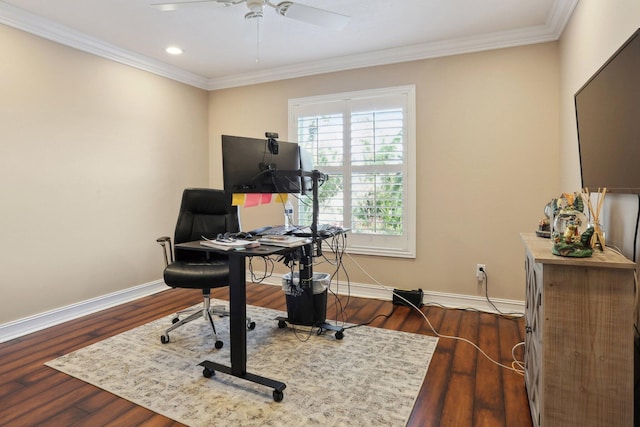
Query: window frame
pixel 404 245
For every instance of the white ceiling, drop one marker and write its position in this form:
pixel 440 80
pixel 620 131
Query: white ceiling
pixel 220 52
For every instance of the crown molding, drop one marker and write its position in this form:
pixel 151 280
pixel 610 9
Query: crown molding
pixel 387 57
pixel 551 31
pixel 28 22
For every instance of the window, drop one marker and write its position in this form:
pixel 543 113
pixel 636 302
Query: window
pixel 365 142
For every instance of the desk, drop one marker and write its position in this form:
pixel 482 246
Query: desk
pixel 238 308
pixel 238 315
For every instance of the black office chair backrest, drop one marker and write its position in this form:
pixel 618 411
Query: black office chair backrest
pixel 205 212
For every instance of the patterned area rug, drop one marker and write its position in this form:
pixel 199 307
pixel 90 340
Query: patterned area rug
pixel 370 378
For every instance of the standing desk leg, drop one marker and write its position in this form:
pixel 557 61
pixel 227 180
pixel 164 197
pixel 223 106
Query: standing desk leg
pixel 238 314
pixel 238 332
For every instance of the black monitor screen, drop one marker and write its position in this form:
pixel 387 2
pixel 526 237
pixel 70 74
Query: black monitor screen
pixel 306 164
pixel 251 165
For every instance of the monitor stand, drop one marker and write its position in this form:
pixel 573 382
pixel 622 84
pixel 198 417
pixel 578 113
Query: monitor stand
pixel 310 309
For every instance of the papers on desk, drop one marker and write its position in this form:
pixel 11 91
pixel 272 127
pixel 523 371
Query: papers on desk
pixel 229 245
pixel 284 241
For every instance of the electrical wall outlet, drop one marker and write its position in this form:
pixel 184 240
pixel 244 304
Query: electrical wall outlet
pixel 480 271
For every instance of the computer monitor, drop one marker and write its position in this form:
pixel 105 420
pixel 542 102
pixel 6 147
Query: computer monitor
pixel 306 165
pixel 251 165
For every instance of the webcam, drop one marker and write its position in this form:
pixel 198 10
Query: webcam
pixel 273 144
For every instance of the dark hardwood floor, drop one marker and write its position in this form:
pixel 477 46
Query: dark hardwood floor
pixel 462 388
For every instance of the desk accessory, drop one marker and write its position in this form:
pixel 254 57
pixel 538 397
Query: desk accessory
pixel 229 244
pixel 284 241
pixel 597 240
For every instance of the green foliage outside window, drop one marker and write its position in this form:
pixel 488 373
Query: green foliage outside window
pixel 376 186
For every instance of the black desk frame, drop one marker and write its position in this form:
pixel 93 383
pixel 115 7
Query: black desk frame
pixel 238 316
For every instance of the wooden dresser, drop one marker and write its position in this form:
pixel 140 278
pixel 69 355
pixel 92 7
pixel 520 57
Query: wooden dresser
pixel 578 337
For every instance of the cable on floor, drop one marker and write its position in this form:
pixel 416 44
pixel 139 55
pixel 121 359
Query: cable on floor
pixel 512 368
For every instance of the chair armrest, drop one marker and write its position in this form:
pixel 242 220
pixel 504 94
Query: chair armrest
pixel 163 242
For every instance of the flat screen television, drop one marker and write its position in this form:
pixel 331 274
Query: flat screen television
pixel 251 165
pixel 608 120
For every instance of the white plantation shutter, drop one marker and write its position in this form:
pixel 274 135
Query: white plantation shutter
pixel 365 142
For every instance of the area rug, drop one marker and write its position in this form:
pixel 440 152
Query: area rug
pixel 370 378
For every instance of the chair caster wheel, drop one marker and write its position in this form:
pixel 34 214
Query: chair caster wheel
pixel 219 344
pixel 282 324
pixel 251 326
pixel 208 373
pixel 175 320
pixel 278 395
pixel 164 339
pixel 339 335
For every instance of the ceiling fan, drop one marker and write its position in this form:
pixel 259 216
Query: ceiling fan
pixel 288 9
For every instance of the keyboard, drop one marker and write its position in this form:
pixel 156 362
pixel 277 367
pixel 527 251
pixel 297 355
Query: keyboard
pixel 281 230
pixel 276 230
pixel 323 230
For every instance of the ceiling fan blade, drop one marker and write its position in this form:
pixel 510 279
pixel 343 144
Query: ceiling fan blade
pixel 179 4
pixel 312 15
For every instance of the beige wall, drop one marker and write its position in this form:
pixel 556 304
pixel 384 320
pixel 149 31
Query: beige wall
pixel 93 158
pixel 596 30
pixel 487 139
pixel 95 155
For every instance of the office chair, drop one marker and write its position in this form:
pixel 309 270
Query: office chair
pixel 203 212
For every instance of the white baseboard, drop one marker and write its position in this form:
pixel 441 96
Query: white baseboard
pixel 27 325
pixel 448 300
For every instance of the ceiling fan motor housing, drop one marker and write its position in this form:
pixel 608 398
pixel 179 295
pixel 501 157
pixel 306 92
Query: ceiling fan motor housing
pixel 256 6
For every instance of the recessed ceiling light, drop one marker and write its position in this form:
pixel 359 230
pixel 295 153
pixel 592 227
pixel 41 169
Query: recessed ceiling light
pixel 173 50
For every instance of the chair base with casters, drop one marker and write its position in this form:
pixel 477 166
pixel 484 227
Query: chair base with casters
pixel 206 312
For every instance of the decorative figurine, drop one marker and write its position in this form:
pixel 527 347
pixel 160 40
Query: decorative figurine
pixel 571 236
pixel 569 210
pixel 544 225
pixel 570 244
